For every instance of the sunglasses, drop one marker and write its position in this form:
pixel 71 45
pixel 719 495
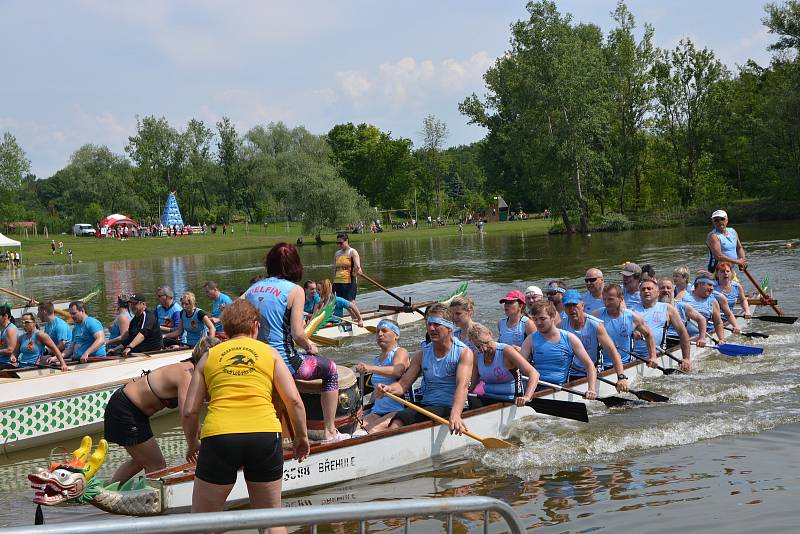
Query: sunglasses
pixel 715 219
pixel 340 242
pixel 590 280
pixel 28 322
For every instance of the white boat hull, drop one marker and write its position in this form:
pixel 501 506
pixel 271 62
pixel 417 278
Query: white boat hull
pixel 351 330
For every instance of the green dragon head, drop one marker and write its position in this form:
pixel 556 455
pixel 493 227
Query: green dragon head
pixel 72 481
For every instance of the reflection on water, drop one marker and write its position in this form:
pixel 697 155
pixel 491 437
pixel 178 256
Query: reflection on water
pixel 720 455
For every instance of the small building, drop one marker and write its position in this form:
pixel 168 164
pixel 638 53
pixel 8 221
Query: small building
pixel 498 211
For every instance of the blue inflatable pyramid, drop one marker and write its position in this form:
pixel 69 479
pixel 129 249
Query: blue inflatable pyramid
pixel 172 213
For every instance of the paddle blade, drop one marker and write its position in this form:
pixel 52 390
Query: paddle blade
pixel 566 409
pixel 649 396
pixel 729 349
pixel 613 401
pixel 371 329
pixel 751 335
pixel 495 443
pixel 783 319
pixel 671 371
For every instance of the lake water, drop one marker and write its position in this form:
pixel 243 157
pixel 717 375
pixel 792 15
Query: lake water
pixel 721 456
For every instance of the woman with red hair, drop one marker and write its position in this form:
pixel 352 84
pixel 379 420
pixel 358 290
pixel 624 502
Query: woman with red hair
pixel 731 290
pixel 280 301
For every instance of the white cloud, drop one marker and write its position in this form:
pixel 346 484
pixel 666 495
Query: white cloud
pixel 353 83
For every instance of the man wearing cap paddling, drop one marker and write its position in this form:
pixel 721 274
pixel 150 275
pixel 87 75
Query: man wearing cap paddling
pixel 631 276
pixel 593 298
pixel 658 316
pixel 723 243
pixel 555 292
pixel 593 336
pixel 144 332
pixel 446 367
pixel 533 294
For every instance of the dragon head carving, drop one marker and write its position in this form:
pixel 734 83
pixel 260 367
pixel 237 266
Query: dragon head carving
pixel 72 480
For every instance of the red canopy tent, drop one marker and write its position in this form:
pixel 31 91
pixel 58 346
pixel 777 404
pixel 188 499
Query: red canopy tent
pixel 117 219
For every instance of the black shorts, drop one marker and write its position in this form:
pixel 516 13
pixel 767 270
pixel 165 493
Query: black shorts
pixel 346 291
pixel 409 416
pixel 125 424
pixel 258 454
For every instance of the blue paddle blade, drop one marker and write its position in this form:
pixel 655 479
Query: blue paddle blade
pixel 729 349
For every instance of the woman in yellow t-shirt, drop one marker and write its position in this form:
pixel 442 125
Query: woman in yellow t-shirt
pixel 241 429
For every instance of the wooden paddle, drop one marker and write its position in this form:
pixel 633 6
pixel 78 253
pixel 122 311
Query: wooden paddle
pixel 367 327
pixel 643 394
pixel 761 291
pixel 489 443
pixel 62 313
pixel 325 341
pixel 610 402
pixel 398 297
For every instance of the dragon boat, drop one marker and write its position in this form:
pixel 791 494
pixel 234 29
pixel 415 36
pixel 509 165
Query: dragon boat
pixel 402 314
pixel 170 490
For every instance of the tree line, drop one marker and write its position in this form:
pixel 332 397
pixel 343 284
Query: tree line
pixel 590 125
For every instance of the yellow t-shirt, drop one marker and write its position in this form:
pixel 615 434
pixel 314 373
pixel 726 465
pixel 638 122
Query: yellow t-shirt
pixel 343 267
pixel 239 379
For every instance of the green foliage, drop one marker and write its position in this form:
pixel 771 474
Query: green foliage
pixel 14 165
pixel 784 20
pixel 612 222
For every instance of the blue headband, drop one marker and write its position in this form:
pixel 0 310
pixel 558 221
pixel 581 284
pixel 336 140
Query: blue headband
pixel 393 327
pixel 556 289
pixel 703 280
pixel 441 321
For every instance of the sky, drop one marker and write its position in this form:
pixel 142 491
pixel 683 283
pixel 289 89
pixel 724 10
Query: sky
pixel 81 71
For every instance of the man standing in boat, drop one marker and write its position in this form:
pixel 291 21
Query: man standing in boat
pixel 88 336
pixel 346 267
pixel 723 243
pixel 446 367
pixel 658 316
pixel 168 313
pixel 593 298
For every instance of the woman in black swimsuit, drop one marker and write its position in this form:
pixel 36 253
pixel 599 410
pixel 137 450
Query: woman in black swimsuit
pixel 128 412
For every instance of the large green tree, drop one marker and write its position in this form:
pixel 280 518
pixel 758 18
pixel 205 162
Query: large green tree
pixel 159 152
pixel 14 164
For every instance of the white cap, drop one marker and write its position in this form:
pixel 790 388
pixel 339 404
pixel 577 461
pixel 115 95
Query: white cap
pixel 719 213
pixel 533 290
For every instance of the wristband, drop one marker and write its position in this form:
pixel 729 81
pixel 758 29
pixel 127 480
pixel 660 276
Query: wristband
pixel 622 376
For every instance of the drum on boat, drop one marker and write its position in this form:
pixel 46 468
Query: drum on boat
pixel 348 409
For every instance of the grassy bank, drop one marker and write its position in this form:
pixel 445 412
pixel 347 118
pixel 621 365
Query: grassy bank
pixel 244 237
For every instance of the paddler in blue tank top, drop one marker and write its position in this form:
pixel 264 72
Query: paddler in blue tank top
pixel 593 298
pixel 702 299
pixel 88 336
pixel 593 336
pixel 724 243
pixel 515 326
pixel 446 366
pixel 631 276
pixel 659 316
pixel 731 290
pixel 386 367
pixel 31 344
pixel 495 374
pixel 552 350
pixel 621 323
pixel 8 335
pixel 555 293
pixel 666 293
pixel 169 314
pixel 195 323
pixel 54 326
pixel 462 308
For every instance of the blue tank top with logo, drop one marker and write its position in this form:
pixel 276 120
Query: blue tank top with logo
pixel 732 297
pixel 439 374
pixel 552 360
pixel 193 326
pixel 620 330
pixel 588 336
pixel 384 405
pixel 499 382
pixel 30 349
pixel 655 318
pixel 704 307
pixel 271 297
pixel 512 336
pixel 631 299
pixel 681 307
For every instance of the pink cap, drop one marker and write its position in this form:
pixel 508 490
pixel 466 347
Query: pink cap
pixel 512 296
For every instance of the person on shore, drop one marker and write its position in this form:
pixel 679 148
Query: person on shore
pixel 279 301
pixel 218 302
pixel 31 344
pixel 515 326
pixel 533 294
pixel 496 370
pixel 168 313
pixel 54 326
pixel 552 351
pixel 128 412
pixel 346 267
pixel 593 298
pixel 462 308
pixel 723 243
pixel 555 293
pixel 658 316
pixel 88 336
pixel 53 247
pixel 387 367
pixel 122 321
pixel 241 429
pixel 60 248
pixel 621 323
pixel 666 293
pixel 144 333
pixel 594 338
pixel 312 297
pixel 446 367
pixel 8 335
pixel 194 324
pixel 702 299
pixel 731 290
pixel 680 279
pixel 631 276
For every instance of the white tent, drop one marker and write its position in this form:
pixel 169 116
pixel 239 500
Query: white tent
pixel 8 242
